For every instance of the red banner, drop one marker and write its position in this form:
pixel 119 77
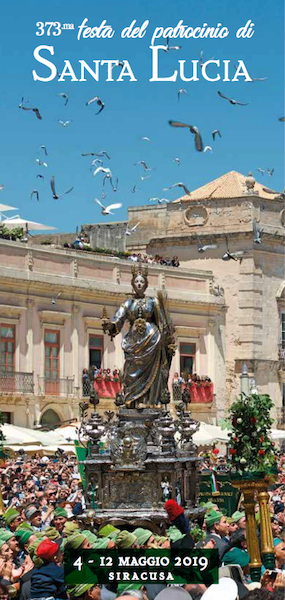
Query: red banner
pixel 201 393
pixel 107 389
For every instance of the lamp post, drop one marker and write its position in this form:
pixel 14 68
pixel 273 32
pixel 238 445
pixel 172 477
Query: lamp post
pixel 244 380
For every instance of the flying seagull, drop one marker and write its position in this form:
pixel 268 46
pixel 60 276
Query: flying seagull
pixel 167 47
pixel 35 193
pixel 40 176
pixel 1 187
pixel 64 123
pixel 253 79
pixel 146 139
pixel 193 129
pixel 216 132
pixel 35 110
pixel 107 175
pixel 208 148
pixel 98 101
pixel 201 61
pixel 206 247
pixel 65 96
pixel 134 189
pixel 104 170
pixel 115 187
pixel 177 160
pixel 143 163
pixel 102 153
pixel 180 185
pixel 158 200
pixel 257 232
pixel 232 255
pixel 41 163
pixel 120 63
pixel 231 100
pixel 282 119
pixel 54 298
pixel 42 147
pixel 132 230
pixel 180 92
pixel 54 194
pixel 106 210
pixel 142 178
pixel 262 171
pixel 270 172
pixel 96 162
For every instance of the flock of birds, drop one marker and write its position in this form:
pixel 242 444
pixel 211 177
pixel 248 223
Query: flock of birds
pixel 100 169
pixel 238 255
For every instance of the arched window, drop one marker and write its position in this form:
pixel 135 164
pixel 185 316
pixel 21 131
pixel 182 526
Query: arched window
pixel 50 417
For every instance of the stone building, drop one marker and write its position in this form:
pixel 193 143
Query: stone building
pixel 51 302
pixel 227 300
pixel 223 214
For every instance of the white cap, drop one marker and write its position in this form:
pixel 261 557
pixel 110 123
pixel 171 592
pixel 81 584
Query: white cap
pixel 226 589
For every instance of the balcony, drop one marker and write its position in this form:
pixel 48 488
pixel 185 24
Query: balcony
pixel 202 393
pixel 281 356
pixel 63 386
pixel 16 382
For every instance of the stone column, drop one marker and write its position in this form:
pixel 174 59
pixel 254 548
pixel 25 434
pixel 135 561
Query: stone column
pixel 211 349
pixel 29 336
pixel 75 345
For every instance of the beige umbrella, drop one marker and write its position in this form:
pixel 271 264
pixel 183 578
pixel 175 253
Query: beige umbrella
pixel 4 207
pixel 25 224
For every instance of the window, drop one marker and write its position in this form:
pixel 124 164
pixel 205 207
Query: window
pixel 96 351
pixel 187 356
pixel 283 330
pixel 7 356
pixel 52 365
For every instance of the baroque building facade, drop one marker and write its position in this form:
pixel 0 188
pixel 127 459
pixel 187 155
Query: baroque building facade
pixel 51 303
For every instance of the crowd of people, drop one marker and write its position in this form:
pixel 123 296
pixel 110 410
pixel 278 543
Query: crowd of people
pixel 82 242
pixel 97 374
pixel 189 378
pixel 155 260
pixel 43 498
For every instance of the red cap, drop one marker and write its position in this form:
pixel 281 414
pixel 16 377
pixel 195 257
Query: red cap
pixel 47 550
pixel 173 509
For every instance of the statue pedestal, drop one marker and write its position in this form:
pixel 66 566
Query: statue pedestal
pixel 142 454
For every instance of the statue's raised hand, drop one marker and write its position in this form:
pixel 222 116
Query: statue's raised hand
pixel 109 327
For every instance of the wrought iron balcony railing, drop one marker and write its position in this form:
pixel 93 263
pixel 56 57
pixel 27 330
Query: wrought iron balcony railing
pixel 16 382
pixel 63 386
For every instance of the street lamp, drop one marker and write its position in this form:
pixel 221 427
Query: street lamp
pixel 244 380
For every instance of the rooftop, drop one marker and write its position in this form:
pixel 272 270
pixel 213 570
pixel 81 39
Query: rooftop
pixel 229 185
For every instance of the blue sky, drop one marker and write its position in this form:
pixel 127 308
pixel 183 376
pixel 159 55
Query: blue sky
pixel 252 136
